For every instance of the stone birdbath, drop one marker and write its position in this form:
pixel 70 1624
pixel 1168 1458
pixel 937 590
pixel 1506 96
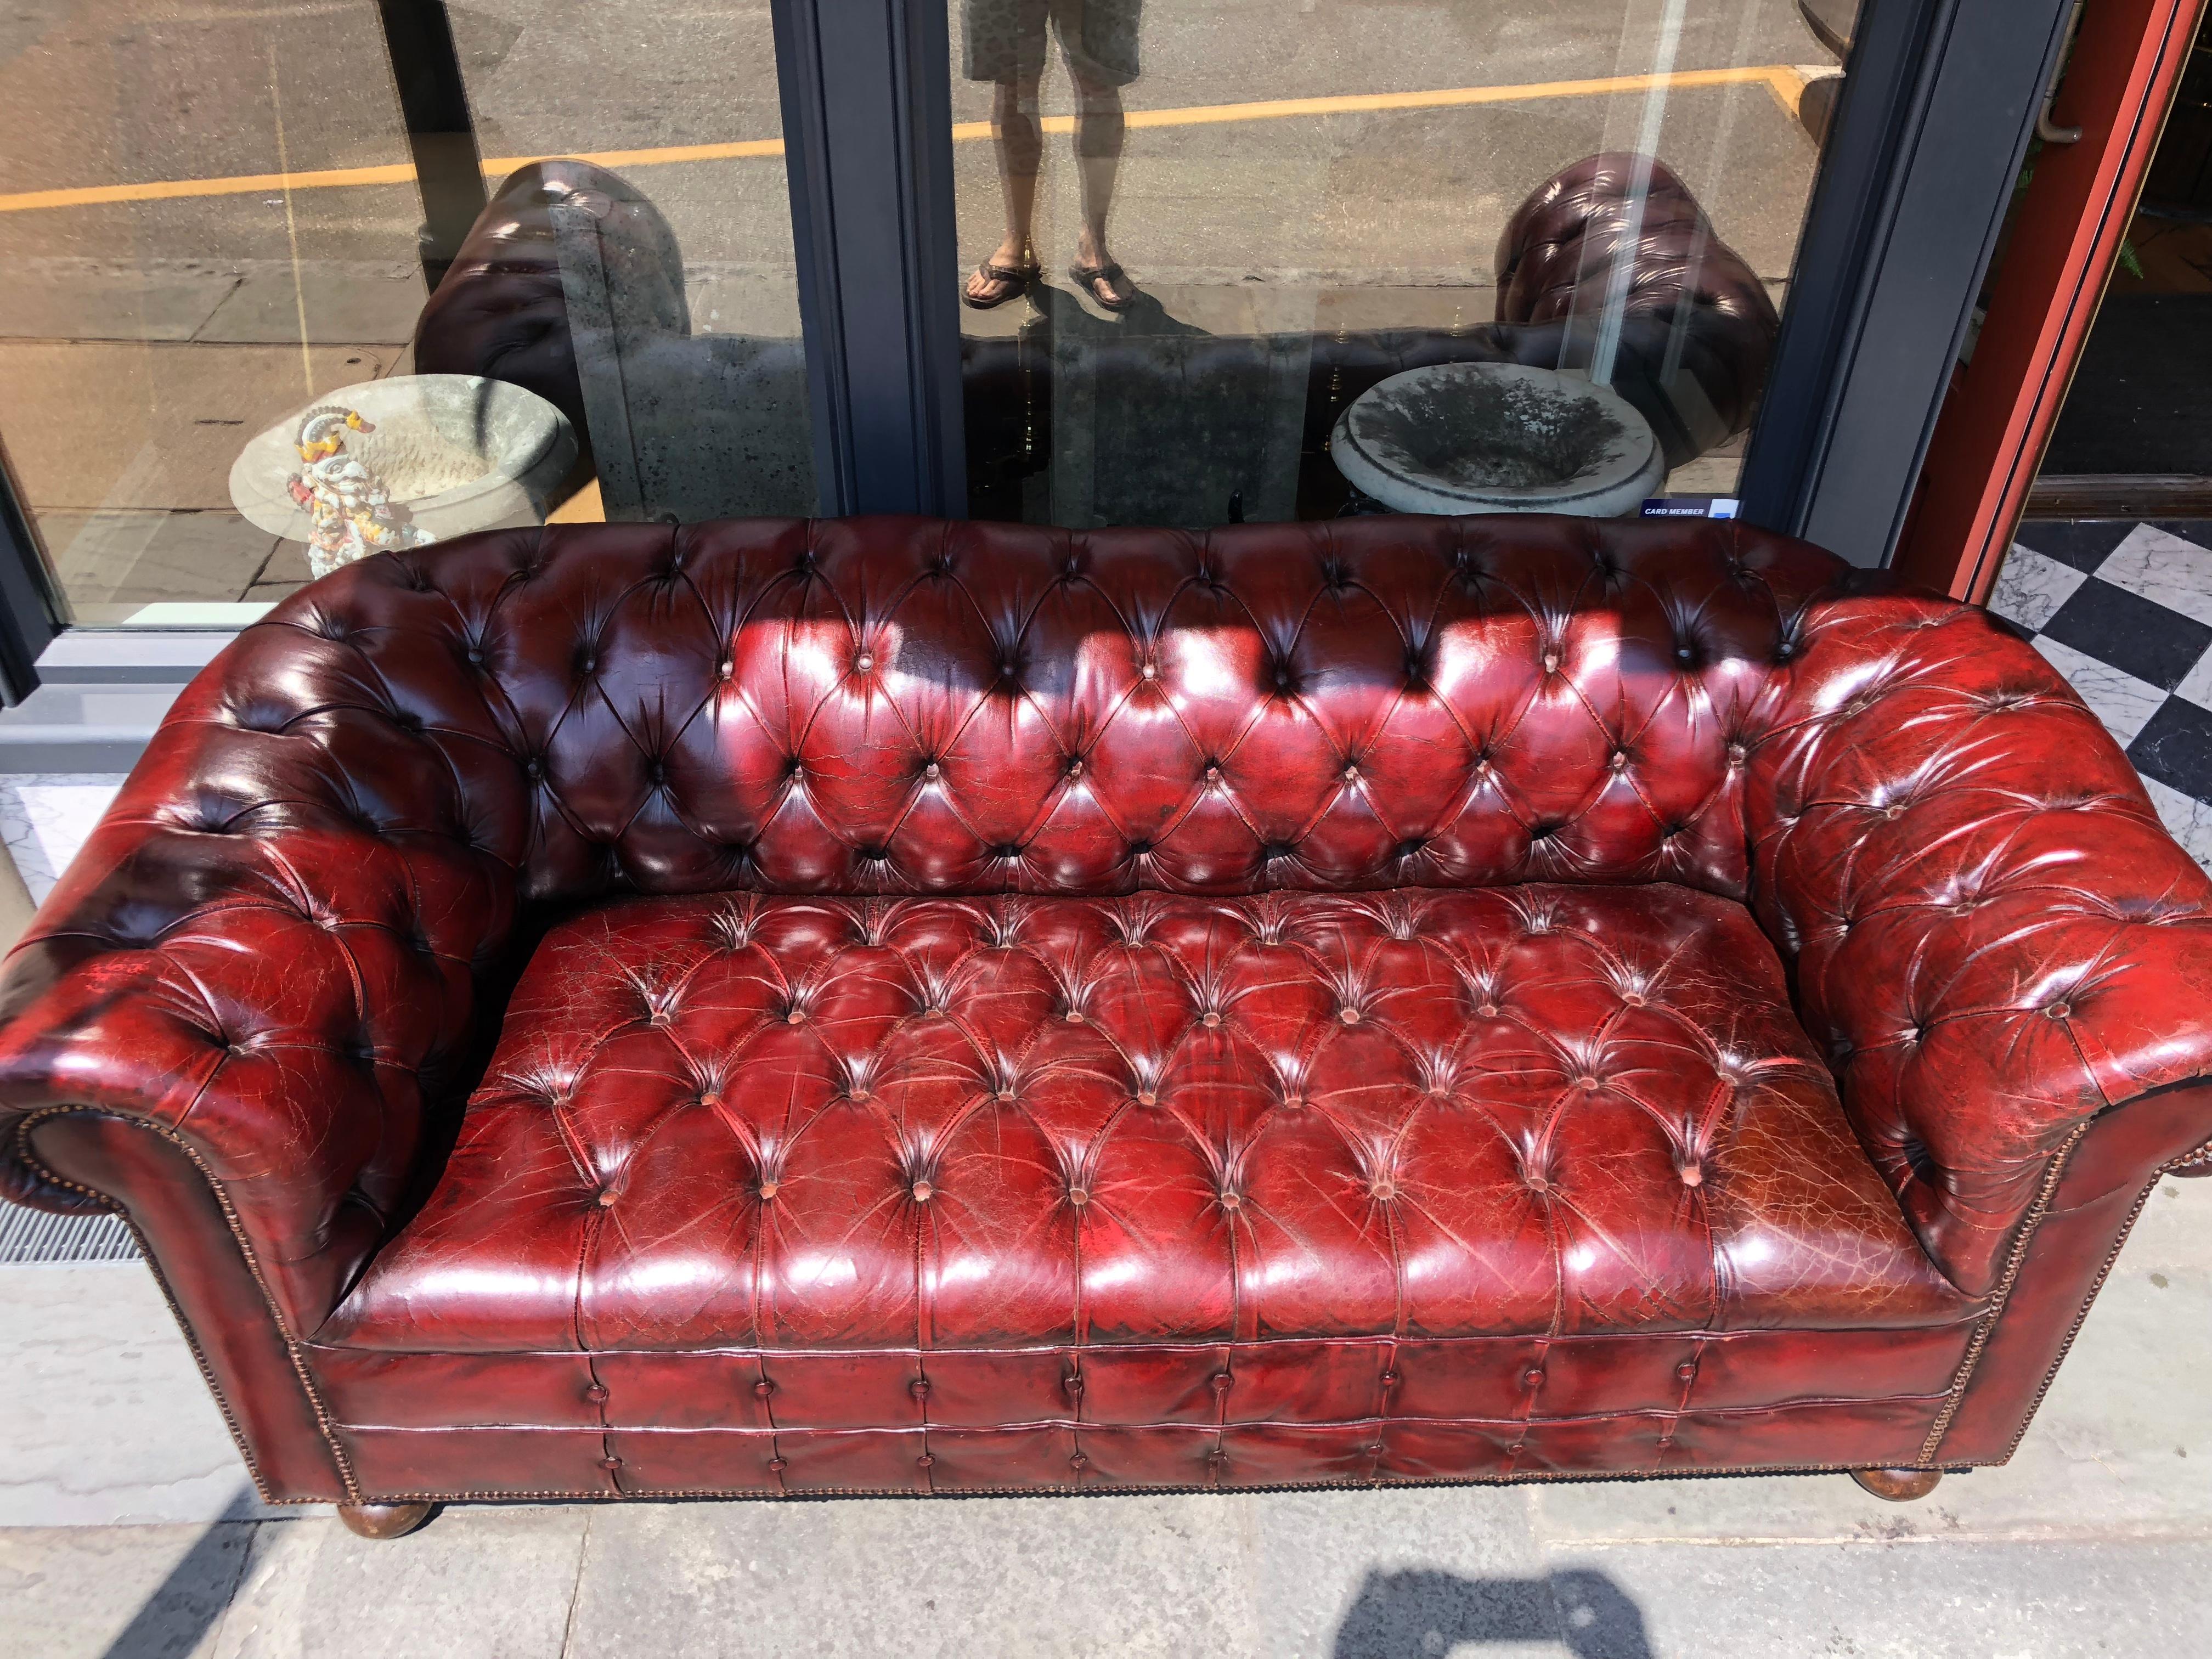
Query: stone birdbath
pixel 401 462
pixel 1498 438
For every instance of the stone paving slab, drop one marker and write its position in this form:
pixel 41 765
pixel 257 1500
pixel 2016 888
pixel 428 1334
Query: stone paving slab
pixel 1894 1601
pixel 118 298
pixel 1360 1576
pixel 108 1420
pixel 157 426
pixel 341 302
pixel 134 1591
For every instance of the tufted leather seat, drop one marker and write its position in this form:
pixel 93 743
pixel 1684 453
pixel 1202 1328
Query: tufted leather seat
pixel 891 1005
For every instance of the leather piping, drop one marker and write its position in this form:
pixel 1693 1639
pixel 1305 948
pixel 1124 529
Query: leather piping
pixel 292 1346
pixel 756 1494
pixel 2036 1212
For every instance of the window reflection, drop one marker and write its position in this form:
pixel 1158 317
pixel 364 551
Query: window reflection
pixel 213 231
pixel 1307 201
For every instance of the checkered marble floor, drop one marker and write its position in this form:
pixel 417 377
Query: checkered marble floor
pixel 2125 611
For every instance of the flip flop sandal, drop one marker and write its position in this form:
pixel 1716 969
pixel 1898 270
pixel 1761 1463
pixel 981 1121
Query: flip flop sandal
pixel 1092 279
pixel 1021 276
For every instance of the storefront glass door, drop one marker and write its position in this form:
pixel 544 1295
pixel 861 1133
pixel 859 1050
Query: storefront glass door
pixel 220 223
pixel 1191 235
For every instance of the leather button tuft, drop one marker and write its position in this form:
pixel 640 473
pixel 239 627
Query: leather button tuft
pixel 2060 1011
pixel 1146 1097
pixel 777 1465
pixel 925 1462
pixel 1687 1372
pixel 764 1388
pixel 1634 998
pixel 1075 769
pixel 1223 1381
pixel 1389 1379
pixel 1075 1016
pixel 1488 1011
pixel 1693 1174
pixel 923 1192
pixel 610 1464
pixel 1078 1462
pixel 1210 1019
pixel 1231 1202
pixel 1384 1190
pixel 606 1198
pixel 597 1394
pixel 1150 671
pixel 918 1388
pixel 769 1190
pixel 1532 1378
pixel 863 663
pixel 1074 1384
pixel 1350 1016
pixel 796 1016
pixel 710 1100
pixel 1352 774
pixel 932 771
pixel 1079 1196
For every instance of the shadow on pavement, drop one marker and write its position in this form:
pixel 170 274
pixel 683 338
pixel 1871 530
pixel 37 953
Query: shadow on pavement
pixel 1422 1615
pixel 185 1606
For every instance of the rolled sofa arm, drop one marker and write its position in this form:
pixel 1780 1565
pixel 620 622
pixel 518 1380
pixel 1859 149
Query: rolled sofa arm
pixel 1990 929
pixel 262 964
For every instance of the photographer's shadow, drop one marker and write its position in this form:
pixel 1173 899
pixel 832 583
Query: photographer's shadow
pixel 1423 1616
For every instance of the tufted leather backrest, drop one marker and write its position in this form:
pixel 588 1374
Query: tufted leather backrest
pixel 910 706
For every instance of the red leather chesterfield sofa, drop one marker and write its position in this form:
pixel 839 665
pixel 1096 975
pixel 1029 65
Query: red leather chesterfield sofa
pixel 899 1006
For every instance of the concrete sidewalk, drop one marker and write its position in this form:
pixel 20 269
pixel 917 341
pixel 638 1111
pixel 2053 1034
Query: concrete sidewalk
pixel 126 1530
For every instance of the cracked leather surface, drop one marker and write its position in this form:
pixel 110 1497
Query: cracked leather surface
pixel 282 948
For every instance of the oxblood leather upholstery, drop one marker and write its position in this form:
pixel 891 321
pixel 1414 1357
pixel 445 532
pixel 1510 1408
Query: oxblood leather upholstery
pixel 1661 981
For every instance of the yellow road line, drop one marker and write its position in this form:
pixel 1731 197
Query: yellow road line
pixel 1781 79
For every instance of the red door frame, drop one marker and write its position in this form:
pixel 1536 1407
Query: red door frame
pixel 1990 436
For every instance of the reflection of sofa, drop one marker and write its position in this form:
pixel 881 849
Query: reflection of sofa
pixel 1693 346
pixel 501 311
pixel 675 424
pixel 971 1008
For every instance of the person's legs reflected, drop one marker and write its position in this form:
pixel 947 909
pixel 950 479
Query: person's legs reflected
pixel 1003 42
pixel 1100 125
pixel 1019 137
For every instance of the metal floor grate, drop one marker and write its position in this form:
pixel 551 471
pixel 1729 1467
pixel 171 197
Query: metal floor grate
pixel 32 1238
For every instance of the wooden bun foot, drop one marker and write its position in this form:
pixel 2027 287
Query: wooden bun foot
pixel 383 1519
pixel 1898 1485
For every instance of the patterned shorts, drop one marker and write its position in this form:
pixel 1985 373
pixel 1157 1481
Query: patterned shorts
pixel 1003 40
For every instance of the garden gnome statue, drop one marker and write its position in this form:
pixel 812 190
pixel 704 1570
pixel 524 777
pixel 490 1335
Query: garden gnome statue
pixel 353 514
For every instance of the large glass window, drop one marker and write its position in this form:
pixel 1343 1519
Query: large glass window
pixel 222 366
pixel 1192 236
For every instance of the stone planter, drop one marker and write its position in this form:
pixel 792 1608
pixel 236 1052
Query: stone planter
pixel 456 452
pixel 1498 438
